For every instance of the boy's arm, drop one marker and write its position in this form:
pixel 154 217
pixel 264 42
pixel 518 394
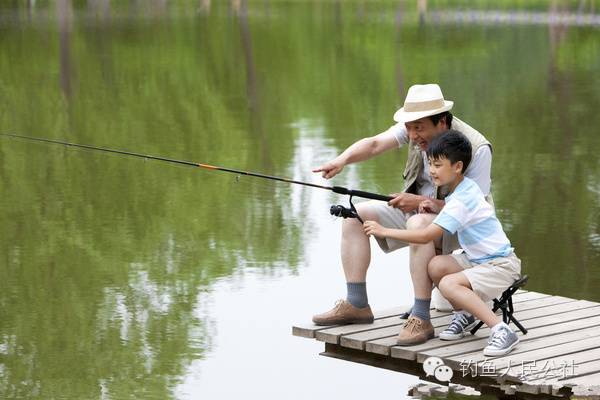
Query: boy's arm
pixel 418 236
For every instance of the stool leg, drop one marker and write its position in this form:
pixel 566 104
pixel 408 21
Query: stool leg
pixel 518 324
pixel 511 310
pixel 476 327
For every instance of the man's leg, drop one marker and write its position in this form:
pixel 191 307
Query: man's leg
pixel 356 257
pixel 355 249
pixel 418 328
pixel 420 255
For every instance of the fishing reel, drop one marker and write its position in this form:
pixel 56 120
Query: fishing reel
pixel 339 210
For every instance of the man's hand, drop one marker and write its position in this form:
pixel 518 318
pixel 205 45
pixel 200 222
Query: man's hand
pixel 429 206
pixel 373 228
pixel 330 169
pixel 406 202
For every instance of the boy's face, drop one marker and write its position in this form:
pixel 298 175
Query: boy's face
pixel 423 131
pixel 443 172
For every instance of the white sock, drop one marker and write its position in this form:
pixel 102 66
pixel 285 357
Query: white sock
pixel 463 312
pixel 499 325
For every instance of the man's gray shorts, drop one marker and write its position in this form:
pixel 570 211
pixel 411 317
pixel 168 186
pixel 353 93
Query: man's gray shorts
pixel 391 217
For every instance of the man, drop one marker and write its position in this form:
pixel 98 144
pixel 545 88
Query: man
pixel 425 115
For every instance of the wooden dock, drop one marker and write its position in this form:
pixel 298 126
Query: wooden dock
pixel 558 358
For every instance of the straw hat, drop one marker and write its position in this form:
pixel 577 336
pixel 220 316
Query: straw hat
pixel 422 101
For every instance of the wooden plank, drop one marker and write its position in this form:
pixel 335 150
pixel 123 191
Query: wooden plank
pixel 561 313
pixel 556 375
pixel 383 345
pixel 537 354
pixel 586 380
pixel 530 362
pixel 537 350
pixel 561 330
pixel 586 363
pixel 309 330
pixel 581 358
pixel 537 327
pixel 359 340
pixel 557 312
pixel 526 296
pixel 333 335
pixel 375 360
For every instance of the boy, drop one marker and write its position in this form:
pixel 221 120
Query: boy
pixel 487 265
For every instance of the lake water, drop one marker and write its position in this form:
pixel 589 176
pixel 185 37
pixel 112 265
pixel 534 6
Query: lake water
pixel 125 278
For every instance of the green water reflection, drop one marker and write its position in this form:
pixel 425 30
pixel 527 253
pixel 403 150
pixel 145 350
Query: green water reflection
pixel 104 259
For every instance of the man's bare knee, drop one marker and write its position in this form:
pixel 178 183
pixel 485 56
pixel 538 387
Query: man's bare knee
pixel 352 226
pixel 366 213
pixel 420 221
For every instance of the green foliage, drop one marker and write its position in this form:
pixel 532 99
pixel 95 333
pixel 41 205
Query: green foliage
pixel 105 258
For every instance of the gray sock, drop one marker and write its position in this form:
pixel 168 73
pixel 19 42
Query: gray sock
pixel 421 309
pixel 357 294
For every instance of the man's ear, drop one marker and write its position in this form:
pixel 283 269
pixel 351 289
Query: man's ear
pixel 442 121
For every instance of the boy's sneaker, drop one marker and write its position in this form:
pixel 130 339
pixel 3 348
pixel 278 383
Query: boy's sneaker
pixel 501 342
pixel 461 323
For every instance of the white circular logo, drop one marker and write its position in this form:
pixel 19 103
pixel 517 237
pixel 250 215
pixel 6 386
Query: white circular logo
pixel 434 366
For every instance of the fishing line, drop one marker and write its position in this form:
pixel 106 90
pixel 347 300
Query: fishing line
pixel 335 189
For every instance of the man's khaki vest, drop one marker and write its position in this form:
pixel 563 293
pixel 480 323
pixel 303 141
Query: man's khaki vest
pixel 414 162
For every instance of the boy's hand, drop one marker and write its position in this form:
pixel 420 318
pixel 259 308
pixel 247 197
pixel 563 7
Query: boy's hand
pixel 429 206
pixel 406 202
pixel 330 169
pixel 373 228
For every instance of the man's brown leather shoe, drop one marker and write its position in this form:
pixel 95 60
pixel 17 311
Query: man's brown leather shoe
pixel 415 331
pixel 344 313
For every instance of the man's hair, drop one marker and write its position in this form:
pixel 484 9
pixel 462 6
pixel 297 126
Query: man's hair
pixel 451 145
pixel 447 115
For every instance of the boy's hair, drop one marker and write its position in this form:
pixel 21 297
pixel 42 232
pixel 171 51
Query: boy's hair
pixel 446 115
pixel 451 145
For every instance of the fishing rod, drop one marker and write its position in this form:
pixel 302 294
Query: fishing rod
pixel 337 210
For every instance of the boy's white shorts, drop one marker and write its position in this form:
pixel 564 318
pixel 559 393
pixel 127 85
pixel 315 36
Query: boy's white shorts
pixel 488 280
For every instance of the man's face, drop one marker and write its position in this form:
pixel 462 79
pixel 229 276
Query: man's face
pixel 422 131
pixel 443 172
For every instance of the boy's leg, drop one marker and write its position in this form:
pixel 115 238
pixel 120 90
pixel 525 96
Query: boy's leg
pixel 457 289
pixel 440 266
pixel 462 321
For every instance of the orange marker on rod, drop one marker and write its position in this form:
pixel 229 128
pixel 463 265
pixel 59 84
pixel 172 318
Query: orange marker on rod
pixel 335 189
